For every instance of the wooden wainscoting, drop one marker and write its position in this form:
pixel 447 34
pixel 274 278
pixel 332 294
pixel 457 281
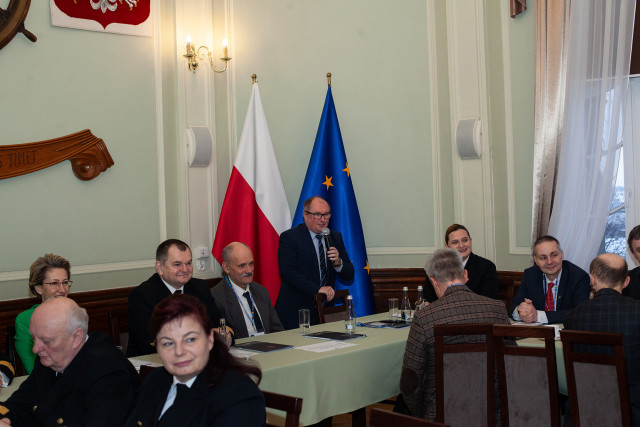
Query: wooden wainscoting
pixel 388 283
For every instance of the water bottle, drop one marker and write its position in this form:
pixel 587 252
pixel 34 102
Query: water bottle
pixel 350 320
pixel 419 301
pixel 222 329
pixel 405 306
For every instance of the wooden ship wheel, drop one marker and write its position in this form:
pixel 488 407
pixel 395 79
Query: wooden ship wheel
pixel 12 21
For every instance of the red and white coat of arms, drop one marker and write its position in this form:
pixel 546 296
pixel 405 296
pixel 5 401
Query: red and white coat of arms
pixel 112 16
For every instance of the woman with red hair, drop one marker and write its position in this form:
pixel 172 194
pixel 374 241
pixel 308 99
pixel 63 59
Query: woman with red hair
pixel 201 383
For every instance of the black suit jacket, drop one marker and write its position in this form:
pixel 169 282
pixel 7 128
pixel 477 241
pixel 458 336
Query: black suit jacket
pixel 633 288
pixel 144 298
pixel 229 306
pixel 300 273
pixel 609 311
pixel 98 388
pixel 483 279
pixel 234 401
pixel 574 288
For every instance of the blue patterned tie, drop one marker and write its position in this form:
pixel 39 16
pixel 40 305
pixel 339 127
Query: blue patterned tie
pixel 323 262
pixel 256 316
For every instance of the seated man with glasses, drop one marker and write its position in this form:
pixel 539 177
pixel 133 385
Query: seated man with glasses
pixel 48 278
pixel 307 267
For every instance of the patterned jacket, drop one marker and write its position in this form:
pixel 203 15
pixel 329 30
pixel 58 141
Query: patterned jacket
pixel 458 305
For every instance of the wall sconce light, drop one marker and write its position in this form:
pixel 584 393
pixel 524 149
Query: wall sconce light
pixel 193 55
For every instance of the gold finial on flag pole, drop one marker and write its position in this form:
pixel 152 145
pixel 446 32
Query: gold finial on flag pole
pixel 329 79
pixel 254 78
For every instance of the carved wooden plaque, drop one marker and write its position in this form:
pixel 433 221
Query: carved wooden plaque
pixel 88 155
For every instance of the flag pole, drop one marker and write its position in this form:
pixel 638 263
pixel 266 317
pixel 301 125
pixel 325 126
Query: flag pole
pixel 254 78
pixel 329 79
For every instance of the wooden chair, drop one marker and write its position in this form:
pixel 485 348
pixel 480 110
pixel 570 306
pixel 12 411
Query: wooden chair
pixel 12 354
pixel 597 383
pixel 289 404
pixel 383 418
pixel 331 313
pixel 527 377
pixel 465 374
pixel 119 328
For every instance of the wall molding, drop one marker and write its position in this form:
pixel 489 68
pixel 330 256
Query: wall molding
pixel 87 269
pixel 468 99
pixel 401 250
pixel 435 120
pixel 514 249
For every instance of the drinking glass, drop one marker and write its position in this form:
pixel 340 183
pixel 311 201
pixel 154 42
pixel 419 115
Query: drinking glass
pixel 394 311
pixel 304 316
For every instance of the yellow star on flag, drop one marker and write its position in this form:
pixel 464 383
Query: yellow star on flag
pixel 366 267
pixel 327 182
pixel 347 170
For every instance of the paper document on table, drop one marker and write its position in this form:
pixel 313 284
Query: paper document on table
pixel 527 324
pixel 242 354
pixel 321 347
pixel 137 362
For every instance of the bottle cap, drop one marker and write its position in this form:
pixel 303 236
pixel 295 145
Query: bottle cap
pixel 405 288
pixel 349 297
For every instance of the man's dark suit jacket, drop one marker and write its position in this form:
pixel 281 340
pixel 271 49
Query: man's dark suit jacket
pixel 633 288
pixel 483 279
pixel 574 288
pixel 609 311
pixel 98 388
pixel 229 306
pixel 234 401
pixel 300 273
pixel 144 298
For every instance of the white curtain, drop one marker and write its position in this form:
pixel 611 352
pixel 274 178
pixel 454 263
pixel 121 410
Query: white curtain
pixel 598 55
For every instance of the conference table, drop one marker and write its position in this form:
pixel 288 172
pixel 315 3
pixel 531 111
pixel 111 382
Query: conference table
pixel 337 381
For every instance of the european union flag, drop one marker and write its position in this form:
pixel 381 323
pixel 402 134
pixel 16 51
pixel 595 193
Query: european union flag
pixel 328 176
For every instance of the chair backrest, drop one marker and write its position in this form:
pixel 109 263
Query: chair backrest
pixel 118 327
pixel 465 374
pixel 331 313
pixel 292 406
pixel 11 352
pixel 527 376
pixel 596 382
pixel 383 418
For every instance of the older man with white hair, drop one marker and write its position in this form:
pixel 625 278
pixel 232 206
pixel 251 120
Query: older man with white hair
pixel 78 378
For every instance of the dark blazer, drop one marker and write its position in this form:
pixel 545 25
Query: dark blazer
pixel 574 288
pixel 457 305
pixel 633 288
pixel 98 388
pixel 234 401
pixel 300 273
pixel 483 279
pixel 609 311
pixel 144 298
pixel 229 306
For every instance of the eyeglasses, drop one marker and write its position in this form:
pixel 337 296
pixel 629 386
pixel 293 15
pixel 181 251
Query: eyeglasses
pixel 318 215
pixel 65 283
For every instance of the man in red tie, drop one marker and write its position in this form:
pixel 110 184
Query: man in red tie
pixel 551 287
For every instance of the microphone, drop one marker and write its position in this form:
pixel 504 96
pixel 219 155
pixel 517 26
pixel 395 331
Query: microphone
pixel 325 235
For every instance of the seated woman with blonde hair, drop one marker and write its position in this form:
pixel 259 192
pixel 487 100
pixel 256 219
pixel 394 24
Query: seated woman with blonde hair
pixel 201 383
pixel 48 278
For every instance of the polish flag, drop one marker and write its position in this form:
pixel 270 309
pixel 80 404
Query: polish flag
pixel 255 209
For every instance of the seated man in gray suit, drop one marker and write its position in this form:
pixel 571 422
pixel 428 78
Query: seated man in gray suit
pixel 243 302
